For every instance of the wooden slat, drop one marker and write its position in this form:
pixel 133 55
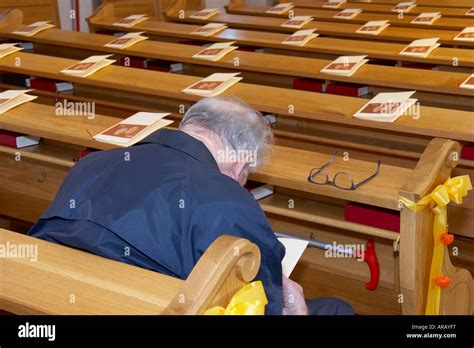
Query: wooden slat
pixel 383 8
pixel 326 45
pixel 375 75
pixel 445 23
pixel 347 30
pixel 452 124
pixel 34 10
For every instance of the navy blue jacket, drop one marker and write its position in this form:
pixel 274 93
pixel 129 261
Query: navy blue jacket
pixel 159 205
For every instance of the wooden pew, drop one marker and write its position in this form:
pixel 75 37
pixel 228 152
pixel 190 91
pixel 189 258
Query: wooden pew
pixel 434 122
pixel 435 160
pixel 435 3
pixel 66 281
pixel 104 17
pixel 348 30
pixel 446 23
pixel 372 7
pixel 34 10
pixel 442 82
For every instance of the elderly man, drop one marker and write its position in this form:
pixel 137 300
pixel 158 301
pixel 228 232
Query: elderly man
pixel 162 202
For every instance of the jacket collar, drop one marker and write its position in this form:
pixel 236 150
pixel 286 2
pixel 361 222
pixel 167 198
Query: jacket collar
pixel 182 142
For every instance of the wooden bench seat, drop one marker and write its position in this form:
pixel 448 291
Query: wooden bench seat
pixel 106 15
pixel 447 3
pixel 434 122
pixel 65 281
pixel 374 75
pixel 396 34
pixel 371 7
pixel 446 23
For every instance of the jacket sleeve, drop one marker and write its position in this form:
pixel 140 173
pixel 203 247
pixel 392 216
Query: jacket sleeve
pixel 246 221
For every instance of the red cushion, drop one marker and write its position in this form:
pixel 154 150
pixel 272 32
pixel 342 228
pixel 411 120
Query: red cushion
pixel 372 216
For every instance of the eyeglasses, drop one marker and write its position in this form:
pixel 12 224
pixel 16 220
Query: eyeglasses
pixel 340 180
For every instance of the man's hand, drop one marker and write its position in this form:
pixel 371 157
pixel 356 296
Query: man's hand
pixel 293 298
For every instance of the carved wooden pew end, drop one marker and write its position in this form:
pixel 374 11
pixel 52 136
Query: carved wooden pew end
pixel 55 279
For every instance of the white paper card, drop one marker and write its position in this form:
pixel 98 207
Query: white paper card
pixel 294 249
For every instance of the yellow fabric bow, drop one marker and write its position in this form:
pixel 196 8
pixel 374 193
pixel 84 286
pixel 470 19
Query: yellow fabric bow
pixel 250 300
pixel 453 190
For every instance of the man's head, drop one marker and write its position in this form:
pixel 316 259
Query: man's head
pixel 235 134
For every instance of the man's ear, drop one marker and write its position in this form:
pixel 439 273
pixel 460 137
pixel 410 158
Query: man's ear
pixel 240 172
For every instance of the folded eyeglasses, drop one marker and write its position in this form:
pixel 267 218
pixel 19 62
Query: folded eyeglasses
pixel 341 180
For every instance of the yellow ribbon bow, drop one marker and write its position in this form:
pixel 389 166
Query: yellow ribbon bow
pixel 453 190
pixel 250 300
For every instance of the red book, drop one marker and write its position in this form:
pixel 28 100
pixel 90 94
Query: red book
pixel 17 140
pixel 133 62
pixel 309 85
pixel 372 216
pixel 49 85
pixel 467 152
pixel 351 90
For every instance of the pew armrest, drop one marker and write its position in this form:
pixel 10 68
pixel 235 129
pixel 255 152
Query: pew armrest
pixel 60 280
pixel 227 265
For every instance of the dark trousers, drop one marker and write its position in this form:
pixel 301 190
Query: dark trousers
pixel 328 306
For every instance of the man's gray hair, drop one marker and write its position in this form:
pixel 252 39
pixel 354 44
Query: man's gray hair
pixel 235 122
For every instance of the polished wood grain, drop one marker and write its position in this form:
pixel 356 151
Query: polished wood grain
pixel 445 23
pixel 371 74
pixel 66 281
pixel 383 8
pixel 433 122
pixel 104 18
pixel 398 34
pixel 34 10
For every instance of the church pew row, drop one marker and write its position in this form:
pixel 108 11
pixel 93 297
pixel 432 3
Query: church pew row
pixel 299 128
pixel 431 3
pixel 371 7
pixel 314 265
pixel 64 281
pixel 373 75
pixel 104 17
pixel 445 23
pixel 434 122
pixel 348 30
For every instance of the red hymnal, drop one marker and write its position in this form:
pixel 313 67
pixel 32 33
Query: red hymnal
pixel 17 140
pixel 467 152
pixel 372 216
pixel 309 85
pixel 49 85
pixel 351 90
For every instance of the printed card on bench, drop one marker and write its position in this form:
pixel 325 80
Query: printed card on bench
pixel 469 83
pixel 209 29
pixel 333 3
pixel 280 8
pixel 426 18
pixel 7 49
pixel 133 129
pixel 34 28
pixel 386 107
pixel 213 85
pixel 205 14
pixel 467 34
pixel 12 98
pixel 297 22
pixel 421 48
pixel 88 66
pixel 131 21
pixel 216 51
pixel 404 7
pixel 126 40
pixel 294 249
pixel 470 12
pixel 348 13
pixel 373 27
pixel 345 65
pixel 300 37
